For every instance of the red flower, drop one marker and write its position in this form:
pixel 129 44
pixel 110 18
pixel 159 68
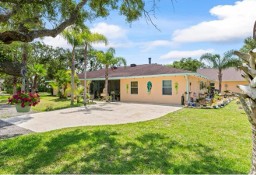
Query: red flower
pixel 24 99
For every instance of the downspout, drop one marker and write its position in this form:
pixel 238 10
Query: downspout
pixel 187 88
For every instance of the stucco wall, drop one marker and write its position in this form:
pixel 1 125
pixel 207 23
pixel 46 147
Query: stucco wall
pixel 195 86
pixel 155 96
pixel 231 86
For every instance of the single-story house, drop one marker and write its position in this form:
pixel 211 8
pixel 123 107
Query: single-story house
pixel 231 77
pixel 149 83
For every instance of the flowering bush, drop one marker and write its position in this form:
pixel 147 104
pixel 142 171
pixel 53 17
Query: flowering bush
pixel 24 99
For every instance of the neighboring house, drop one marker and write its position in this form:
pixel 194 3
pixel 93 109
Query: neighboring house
pixel 231 77
pixel 150 83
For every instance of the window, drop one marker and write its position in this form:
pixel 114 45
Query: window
pixel 134 87
pixel 167 87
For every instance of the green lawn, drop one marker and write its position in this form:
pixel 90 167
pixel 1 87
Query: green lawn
pixel 187 141
pixel 50 103
pixel 3 99
pixel 47 103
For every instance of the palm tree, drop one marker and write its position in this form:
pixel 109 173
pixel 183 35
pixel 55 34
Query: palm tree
pixel 88 39
pixel 108 60
pixel 248 96
pixel 37 71
pixel 221 63
pixel 74 38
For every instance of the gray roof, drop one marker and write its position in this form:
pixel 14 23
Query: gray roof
pixel 138 70
pixel 230 74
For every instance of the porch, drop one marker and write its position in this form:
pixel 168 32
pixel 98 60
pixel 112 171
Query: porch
pixel 97 86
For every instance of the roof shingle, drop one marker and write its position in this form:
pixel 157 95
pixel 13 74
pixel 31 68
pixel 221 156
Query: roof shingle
pixel 230 74
pixel 139 70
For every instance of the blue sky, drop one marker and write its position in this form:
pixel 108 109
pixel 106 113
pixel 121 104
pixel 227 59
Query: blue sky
pixel 188 28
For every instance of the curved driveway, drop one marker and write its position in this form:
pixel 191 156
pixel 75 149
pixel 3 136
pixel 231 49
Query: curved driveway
pixel 98 114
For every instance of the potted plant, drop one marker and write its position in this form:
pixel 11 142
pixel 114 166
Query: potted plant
pixel 23 101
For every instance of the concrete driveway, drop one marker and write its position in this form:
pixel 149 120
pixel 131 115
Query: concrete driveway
pixel 98 114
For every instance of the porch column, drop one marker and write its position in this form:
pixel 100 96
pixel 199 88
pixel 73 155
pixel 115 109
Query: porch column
pixel 187 88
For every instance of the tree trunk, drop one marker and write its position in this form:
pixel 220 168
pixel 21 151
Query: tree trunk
pixel 24 62
pixel 85 65
pixel 106 83
pixel 220 79
pixel 14 85
pixel 248 67
pixel 34 87
pixel 253 167
pixel 249 95
pixel 73 76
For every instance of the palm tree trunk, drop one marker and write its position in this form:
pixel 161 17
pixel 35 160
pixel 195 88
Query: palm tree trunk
pixel 220 79
pixel 85 64
pixel 106 83
pixel 14 85
pixel 253 167
pixel 73 76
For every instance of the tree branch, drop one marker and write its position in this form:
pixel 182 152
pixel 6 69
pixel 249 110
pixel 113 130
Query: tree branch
pixel 249 91
pixel 9 36
pixel 23 1
pixel 244 56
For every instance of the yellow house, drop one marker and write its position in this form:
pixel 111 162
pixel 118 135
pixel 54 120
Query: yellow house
pixel 149 83
pixel 231 77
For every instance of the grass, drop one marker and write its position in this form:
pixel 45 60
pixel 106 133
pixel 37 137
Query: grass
pixel 50 103
pixel 3 99
pixel 187 141
pixel 47 103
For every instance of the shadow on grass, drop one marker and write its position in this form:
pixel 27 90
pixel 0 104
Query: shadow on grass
pixel 102 152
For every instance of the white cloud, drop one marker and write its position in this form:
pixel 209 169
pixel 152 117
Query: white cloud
pixel 58 41
pixel 233 22
pixel 154 44
pixel 116 35
pixel 184 54
pixel 109 30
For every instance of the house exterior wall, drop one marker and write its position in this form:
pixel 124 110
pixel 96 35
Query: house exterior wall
pixel 155 95
pixel 195 86
pixel 230 85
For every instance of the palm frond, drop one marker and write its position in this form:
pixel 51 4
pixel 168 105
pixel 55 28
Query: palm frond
pixel 213 60
pixel 97 38
pixel 120 61
pixel 232 62
pixel 73 37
